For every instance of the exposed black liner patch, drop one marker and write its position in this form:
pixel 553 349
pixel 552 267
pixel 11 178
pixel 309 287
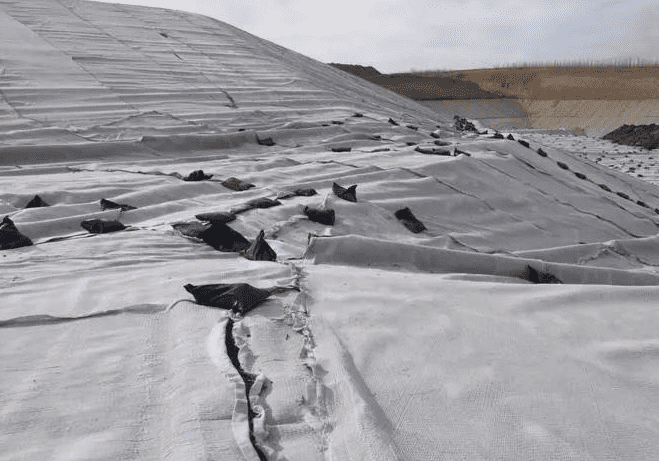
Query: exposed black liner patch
pixel 236 184
pixel 623 195
pixel 524 143
pixel 410 143
pixel 442 143
pixel 580 175
pixel 223 238
pixel 305 192
pixel 191 229
pixel 605 187
pixel 248 379
pixel 457 152
pixel 563 165
pixel 197 175
pixel 510 137
pixel 263 202
pixel 536 276
pixel 409 220
pixel 36 202
pixel 412 127
pixel 320 216
pixel 392 121
pixel 357 114
pixel 99 226
pixel 434 134
pixel 216 218
pixel 341 149
pixel 265 141
pixel 110 205
pixel 643 204
pixel 218 235
pixel 337 122
pixel 421 150
pixel 237 297
pixel 297 192
pixel 10 237
pixel 259 250
pixel 349 194
pixel 497 136
pixel 541 152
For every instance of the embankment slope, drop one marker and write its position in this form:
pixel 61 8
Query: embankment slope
pixel 377 343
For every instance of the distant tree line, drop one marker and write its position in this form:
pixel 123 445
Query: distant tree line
pixel 623 62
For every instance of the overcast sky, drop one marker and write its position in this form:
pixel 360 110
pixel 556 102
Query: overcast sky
pixel 400 35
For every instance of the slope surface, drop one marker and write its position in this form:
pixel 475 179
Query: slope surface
pixel 377 342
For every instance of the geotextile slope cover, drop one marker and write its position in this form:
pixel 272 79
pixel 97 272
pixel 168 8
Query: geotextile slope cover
pixel 362 340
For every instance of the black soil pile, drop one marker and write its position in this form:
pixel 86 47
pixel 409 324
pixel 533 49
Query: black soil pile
pixel 646 136
pixel 462 124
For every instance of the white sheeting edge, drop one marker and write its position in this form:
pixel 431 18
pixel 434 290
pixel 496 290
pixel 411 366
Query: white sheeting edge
pixel 360 251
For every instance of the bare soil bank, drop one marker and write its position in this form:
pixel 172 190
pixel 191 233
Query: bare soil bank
pixel 562 82
pixel 423 87
pixel 546 83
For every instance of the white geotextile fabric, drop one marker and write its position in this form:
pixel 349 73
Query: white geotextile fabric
pixel 103 101
pixel 123 386
pixel 462 369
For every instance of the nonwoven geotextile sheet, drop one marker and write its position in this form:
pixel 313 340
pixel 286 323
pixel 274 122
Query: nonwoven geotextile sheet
pixel 425 366
pixel 137 385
